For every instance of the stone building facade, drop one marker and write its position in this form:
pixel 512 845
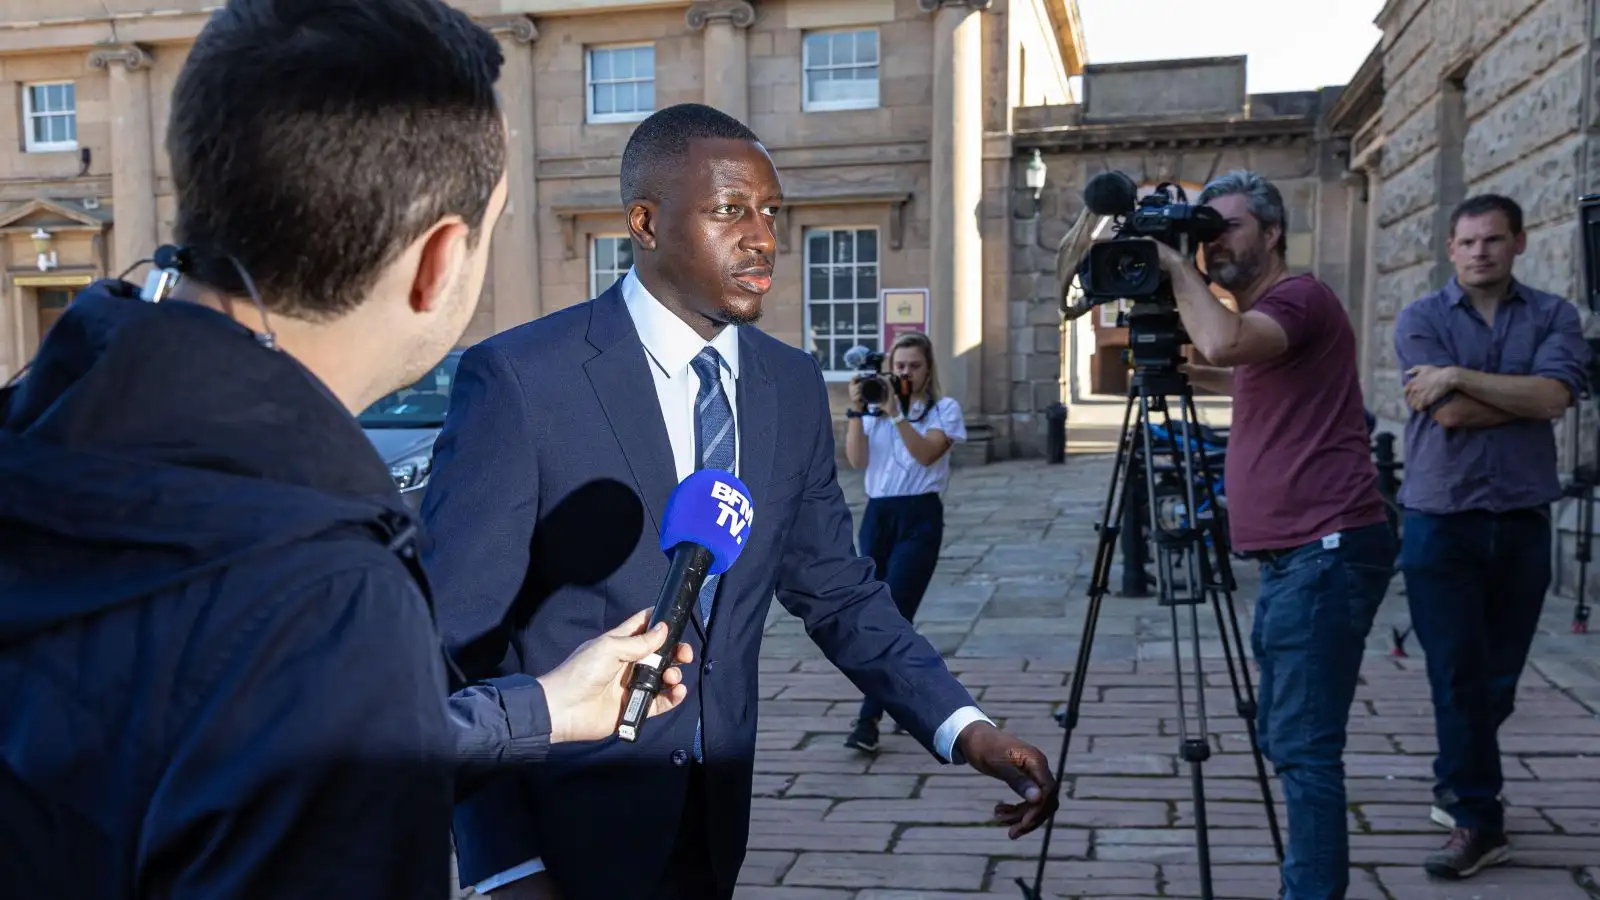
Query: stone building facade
pixel 1463 97
pixel 890 121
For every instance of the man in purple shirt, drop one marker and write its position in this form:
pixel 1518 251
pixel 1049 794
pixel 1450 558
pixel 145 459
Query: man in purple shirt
pixel 1302 499
pixel 1489 363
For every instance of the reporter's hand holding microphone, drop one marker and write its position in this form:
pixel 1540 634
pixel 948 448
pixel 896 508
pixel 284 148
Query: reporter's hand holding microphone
pixel 586 692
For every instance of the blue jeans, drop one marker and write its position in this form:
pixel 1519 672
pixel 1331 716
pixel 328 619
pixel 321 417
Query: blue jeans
pixel 1476 583
pixel 902 537
pixel 1316 608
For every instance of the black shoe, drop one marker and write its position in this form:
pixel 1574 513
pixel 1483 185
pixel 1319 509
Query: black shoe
pixel 1466 853
pixel 864 737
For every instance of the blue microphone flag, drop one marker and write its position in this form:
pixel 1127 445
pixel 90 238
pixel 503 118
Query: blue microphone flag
pixel 710 508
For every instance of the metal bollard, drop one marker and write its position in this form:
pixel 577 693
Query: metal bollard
pixel 1055 448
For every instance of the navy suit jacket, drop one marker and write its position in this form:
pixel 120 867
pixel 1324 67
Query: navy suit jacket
pixel 550 478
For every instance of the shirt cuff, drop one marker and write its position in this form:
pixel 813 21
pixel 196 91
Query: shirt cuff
pixel 944 740
pixel 531 867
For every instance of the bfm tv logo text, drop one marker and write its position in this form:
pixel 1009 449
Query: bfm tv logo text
pixel 734 511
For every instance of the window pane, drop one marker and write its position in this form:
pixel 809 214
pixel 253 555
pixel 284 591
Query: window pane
pixel 622 64
pixel 624 254
pixel 844 318
pixel 843 247
pixel 817 49
pixel 840 348
pixel 645 96
pixel 817 248
pixel 58 129
pixel 41 130
pixel 605 253
pixel 605 101
pixel 627 96
pixel 817 286
pixel 867 46
pixel 842 283
pixel 69 96
pixel 72 128
pixel 821 318
pixel 816 86
pixel 867 281
pixel 867 318
pixel 644 62
pixel 844 48
pixel 871 343
pixel 866 246
pixel 600 65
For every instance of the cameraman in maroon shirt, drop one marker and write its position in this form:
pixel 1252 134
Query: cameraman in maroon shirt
pixel 1302 499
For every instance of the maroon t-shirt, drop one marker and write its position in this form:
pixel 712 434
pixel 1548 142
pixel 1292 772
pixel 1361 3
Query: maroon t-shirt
pixel 1299 463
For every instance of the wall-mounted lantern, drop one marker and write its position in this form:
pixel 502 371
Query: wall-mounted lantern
pixel 43 244
pixel 1034 177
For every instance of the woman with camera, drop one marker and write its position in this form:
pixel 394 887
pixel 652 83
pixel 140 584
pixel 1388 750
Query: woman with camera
pixel 901 432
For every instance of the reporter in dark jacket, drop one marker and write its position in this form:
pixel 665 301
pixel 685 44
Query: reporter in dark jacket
pixel 219 671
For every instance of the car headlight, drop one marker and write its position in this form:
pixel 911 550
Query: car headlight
pixel 411 473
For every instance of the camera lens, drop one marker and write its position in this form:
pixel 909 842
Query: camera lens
pixel 872 390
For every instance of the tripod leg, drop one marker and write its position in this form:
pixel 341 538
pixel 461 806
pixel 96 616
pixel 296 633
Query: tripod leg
pixel 1580 615
pixel 1221 594
pixel 1122 471
pixel 1181 549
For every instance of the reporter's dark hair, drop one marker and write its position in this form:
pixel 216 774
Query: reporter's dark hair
pixel 313 140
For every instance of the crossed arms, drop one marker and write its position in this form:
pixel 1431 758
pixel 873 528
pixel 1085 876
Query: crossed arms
pixel 1460 397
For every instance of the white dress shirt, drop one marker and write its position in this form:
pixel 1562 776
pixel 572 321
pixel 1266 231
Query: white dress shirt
pixel 669 345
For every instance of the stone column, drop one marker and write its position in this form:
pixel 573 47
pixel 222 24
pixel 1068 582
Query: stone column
pixel 956 276
pixel 133 170
pixel 515 259
pixel 726 63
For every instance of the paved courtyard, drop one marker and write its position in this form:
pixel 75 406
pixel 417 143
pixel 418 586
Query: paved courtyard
pixel 1007 609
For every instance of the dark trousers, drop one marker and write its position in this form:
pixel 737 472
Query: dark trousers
pixel 1316 607
pixel 902 536
pixel 689 874
pixel 1475 582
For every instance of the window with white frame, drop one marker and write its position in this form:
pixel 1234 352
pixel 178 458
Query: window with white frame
pixel 621 82
pixel 610 258
pixel 841 293
pixel 50 116
pixel 840 69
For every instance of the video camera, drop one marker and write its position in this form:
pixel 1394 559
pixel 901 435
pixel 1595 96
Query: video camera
pixel 876 383
pixel 1127 267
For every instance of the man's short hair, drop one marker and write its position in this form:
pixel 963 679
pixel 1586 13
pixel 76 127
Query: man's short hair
pixel 1484 204
pixel 1264 200
pixel 658 147
pixel 312 140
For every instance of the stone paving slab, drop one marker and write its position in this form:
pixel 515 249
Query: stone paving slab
pixel 1008 608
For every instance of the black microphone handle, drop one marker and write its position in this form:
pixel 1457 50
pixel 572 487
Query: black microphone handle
pixel 674 605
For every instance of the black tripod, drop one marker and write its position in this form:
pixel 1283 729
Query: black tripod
pixel 1182 549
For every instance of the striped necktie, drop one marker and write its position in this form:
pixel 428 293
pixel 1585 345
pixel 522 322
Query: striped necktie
pixel 713 441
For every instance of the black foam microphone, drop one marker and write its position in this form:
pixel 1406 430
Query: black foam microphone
pixel 1110 194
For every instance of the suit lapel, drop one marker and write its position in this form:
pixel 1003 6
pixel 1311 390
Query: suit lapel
pixel 621 378
pixel 758 422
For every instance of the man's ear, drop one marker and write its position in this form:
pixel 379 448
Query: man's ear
pixel 441 257
pixel 642 223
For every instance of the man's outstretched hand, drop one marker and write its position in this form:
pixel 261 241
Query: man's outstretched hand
pixel 585 694
pixel 1021 766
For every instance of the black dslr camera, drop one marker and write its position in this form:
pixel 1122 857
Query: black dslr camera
pixel 876 383
pixel 1128 268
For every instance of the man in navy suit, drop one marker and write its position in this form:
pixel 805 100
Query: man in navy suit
pixel 564 440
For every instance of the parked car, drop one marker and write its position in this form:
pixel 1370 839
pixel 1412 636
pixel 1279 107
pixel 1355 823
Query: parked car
pixel 404 425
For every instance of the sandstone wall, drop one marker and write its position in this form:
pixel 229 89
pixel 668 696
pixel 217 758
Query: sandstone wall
pixel 1481 95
